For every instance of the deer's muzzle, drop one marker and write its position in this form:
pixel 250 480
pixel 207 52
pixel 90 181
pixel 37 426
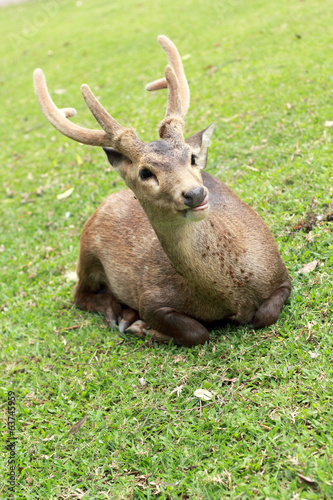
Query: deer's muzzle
pixel 195 197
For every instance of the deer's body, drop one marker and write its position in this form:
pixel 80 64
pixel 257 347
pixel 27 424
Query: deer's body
pixel 224 266
pixel 179 247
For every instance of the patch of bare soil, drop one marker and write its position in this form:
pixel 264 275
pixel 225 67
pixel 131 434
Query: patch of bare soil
pixel 311 219
pixel 307 223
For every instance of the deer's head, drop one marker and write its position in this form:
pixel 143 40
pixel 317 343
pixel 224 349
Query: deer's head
pixel 164 175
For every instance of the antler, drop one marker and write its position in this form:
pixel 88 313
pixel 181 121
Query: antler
pixel 113 134
pixel 59 117
pixel 177 65
pixel 171 127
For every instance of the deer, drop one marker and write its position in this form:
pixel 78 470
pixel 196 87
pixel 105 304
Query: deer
pixel 178 250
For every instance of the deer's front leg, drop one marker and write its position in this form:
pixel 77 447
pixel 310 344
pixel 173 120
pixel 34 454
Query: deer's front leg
pixel 104 302
pixel 183 329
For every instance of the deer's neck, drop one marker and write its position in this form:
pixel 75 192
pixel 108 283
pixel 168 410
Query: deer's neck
pixel 188 246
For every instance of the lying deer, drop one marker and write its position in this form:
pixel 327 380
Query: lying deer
pixel 179 247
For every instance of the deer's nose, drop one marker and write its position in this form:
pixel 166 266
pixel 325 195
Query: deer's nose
pixel 194 197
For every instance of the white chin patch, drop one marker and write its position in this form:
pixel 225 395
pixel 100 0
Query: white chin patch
pixel 196 215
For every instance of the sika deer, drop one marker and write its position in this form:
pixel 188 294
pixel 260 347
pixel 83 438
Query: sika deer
pixel 179 247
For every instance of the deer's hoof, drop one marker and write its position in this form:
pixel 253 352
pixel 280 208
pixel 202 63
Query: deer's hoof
pixel 138 328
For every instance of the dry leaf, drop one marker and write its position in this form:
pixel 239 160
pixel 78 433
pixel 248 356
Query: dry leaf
pixel 203 394
pixel 178 359
pixel 77 426
pixel 186 57
pixel 310 236
pixel 79 160
pixel 305 479
pixel 294 461
pixel 142 382
pixel 230 119
pixel 313 355
pixel 310 266
pixel 232 380
pixel 251 168
pixel 265 427
pixel 178 390
pixel 49 438
pixel 70 276
pixel 66 194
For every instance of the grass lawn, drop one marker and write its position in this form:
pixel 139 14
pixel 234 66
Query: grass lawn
pixel 262 72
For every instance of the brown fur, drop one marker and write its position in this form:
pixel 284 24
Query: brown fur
pixel 157 252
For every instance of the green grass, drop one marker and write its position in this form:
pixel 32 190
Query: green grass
pixel 262 71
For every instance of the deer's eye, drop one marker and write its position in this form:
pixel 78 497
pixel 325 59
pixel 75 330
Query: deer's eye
pixel 193 159
pixel 145 173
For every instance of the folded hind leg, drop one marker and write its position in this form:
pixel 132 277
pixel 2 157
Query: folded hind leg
pixel 93 294
pixel 268 312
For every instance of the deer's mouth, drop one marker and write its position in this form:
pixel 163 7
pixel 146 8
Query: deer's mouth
pixel 197 213
pixel 203 206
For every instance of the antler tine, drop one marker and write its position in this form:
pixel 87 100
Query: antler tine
pixel 108 124
pixel 171 128
pixel 176 63
pixel 59 117
pixel 123 139
pixel 174 107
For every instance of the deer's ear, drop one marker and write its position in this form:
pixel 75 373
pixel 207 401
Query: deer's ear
pixel 199 143
pixel 115 158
